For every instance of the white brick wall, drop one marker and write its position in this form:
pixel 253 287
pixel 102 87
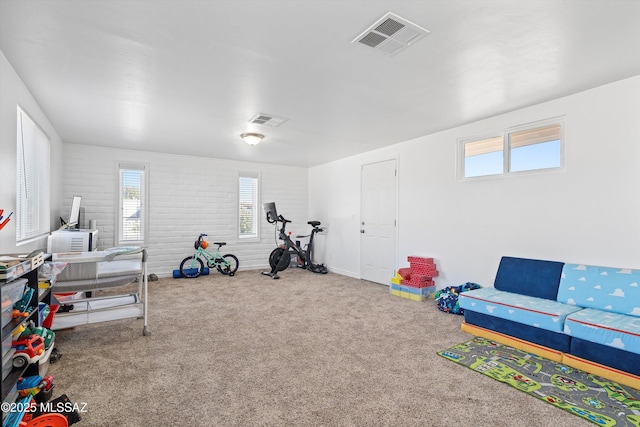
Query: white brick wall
pixel 187 196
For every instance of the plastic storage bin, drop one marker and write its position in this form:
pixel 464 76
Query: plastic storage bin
pixel 11 293
pixel 43 312
pixel 48 321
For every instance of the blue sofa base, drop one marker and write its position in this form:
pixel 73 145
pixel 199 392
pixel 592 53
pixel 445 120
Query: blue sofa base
pixel 549 339
pixel 605 355
pixel 598 353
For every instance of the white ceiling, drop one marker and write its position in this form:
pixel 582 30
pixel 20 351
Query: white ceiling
pixel 185 76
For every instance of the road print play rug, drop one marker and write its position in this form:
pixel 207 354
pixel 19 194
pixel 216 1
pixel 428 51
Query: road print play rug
pixel 593 398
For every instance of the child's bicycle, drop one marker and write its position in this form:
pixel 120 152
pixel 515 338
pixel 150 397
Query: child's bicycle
pixel 192 266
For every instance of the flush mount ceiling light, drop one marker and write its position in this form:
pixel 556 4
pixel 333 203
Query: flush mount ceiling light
pixel 252 138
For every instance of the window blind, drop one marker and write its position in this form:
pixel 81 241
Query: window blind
pixel 132 207
pixel 248 206
pixel 484 146
pixel 536 136
pixel 32 181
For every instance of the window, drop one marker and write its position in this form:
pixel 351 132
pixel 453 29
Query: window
pixel 32 180
pixel 132 204
pixel 483 157
pixel 248 206
pixel 536 148
pixel 530 147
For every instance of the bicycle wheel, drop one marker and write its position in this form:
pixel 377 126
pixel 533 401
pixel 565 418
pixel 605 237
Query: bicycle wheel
pixel 228 265
pixel 275 257
pixel 191 267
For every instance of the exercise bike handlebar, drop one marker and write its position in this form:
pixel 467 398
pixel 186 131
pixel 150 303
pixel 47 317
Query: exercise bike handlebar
pixel 283 219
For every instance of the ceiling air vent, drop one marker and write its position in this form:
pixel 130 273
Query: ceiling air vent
pixel 390 34
pixel 267 120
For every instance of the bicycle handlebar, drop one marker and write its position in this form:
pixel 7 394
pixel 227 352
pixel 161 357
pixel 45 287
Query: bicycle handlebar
pixel 199 241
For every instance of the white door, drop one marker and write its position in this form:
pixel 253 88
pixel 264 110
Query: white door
pixel 378 222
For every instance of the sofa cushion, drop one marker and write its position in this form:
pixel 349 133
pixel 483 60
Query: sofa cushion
pixel 605 288
pixel 538 312
pixel 532 277
pixel 601 327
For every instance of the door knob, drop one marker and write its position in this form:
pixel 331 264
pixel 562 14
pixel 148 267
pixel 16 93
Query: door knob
pixel 362 231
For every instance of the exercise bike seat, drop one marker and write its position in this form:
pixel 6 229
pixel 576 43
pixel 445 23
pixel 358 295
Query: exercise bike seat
pixel 314 223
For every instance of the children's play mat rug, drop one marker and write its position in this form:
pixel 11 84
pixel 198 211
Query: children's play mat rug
pixel 593 398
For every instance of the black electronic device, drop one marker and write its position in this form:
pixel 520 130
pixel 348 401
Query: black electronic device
pixel 272 213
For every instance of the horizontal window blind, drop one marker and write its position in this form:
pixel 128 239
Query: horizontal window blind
pixel 32 181
pixel 132 216
pixel 483 146
pixel 248 206
pixel 535 136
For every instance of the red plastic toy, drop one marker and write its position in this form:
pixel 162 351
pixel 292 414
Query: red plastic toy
pixel 29 349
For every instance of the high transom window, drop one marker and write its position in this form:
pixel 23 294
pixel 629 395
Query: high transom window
pixel 532 147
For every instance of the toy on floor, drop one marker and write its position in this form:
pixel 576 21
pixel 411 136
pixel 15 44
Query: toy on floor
pixel 55 355
pixel 447 298
pixel 48 420
pixel 194 265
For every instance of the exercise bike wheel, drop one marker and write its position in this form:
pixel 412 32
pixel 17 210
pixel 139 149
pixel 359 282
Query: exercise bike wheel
pixel 276 255
pixel 187 271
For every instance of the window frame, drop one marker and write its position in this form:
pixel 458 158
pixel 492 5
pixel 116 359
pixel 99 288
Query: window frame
pixel 506 135
pixel 254 237
pixel 144 200
pixel 34 171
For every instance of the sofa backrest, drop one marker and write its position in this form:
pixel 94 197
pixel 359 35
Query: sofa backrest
pixel 606 288
pixel 531 277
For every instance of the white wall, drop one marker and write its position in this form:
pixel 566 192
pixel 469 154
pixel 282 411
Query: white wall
pixel 188 196
pixel 589 213
pixel 13 92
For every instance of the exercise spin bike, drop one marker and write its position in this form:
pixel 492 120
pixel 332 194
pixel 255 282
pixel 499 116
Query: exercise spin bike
pixel 280 257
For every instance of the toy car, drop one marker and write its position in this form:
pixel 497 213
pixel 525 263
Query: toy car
pixel 48 336
pixel 29 349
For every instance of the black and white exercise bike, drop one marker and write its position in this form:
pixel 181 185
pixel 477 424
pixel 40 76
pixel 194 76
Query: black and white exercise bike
pixel 280 257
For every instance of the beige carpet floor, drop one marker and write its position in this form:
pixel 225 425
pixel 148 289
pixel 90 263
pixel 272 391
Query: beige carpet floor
pixel 305 350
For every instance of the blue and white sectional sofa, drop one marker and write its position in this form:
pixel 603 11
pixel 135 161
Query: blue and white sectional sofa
pixel 587 316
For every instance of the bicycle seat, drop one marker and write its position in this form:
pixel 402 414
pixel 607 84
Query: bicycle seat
pixel 314 223
pixel 220 243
